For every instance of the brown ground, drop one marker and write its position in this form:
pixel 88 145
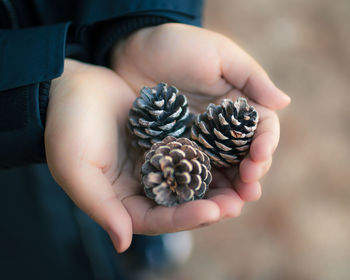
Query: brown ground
pixel 300 228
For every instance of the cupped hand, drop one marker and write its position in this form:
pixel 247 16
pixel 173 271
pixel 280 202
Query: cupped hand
pixel 89 154
pixel 208 67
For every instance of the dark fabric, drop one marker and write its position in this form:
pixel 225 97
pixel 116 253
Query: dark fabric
pixel 14 103
pixel 108 33
pixel 44 92
pixel 31 55
pixel 4 15
pixel 43 235
pixel 22 132
pixel 86 29
pixel 84 12
pixel 28 57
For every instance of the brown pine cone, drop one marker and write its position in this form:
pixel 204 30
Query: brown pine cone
pixel 175 171
pixel 159 112
pixel 224 132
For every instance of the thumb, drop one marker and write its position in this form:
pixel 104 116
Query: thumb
pixel 91 191
pixel 244 73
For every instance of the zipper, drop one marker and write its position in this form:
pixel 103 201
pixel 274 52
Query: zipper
pixel 11 13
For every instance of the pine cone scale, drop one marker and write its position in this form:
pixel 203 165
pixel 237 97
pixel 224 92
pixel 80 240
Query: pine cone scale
pixel 185 166
pixel 160 103
pixel 185 115
pixel 154 178
pixel 196 167
pixel 145 123
pixel 220 135
pixel 183 178
pixel 176 114
pixel 190 152
pixel 204 142
pixel 184 193
pixel 195 182
pixel 141 134
pixel 201 190
pixel 178 132
pixel 151 132
pixel 167 126
pixel 222 146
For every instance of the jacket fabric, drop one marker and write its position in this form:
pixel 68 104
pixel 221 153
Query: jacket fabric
pixel 43 235
pixel 36 36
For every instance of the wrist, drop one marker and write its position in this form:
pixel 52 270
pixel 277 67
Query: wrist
pixel 130 47
pixel 87 86
pixel 106 34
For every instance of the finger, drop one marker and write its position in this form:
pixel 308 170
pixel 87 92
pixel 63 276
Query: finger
pixel 244 73
pixel 148 218
pixel 266 137
pixel 251 171
pixel 229 202
pixel 92 192
pixel 248 191
pixel 228 178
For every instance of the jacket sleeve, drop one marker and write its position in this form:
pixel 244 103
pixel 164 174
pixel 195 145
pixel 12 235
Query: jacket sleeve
pixel 133 15
pixel 29 59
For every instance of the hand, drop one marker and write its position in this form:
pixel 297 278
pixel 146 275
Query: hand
pixel 89 155
pixel 207 67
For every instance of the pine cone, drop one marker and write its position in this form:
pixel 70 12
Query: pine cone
pixel 159 112
pixel 175 171
pixel 224 132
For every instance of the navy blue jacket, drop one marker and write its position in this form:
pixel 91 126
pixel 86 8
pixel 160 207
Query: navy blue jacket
pixel 36 36
pixel 43 235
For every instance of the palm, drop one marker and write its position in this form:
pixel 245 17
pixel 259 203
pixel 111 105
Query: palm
pixel 146 217
pixel 207 67
pixel 89 154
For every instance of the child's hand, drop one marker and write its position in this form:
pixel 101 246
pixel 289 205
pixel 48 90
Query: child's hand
pixel 87 146
pixel 89 154
pixel 207 67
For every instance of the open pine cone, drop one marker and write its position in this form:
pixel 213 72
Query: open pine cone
pixel 225 131
pixel 175 171
pixel 159 112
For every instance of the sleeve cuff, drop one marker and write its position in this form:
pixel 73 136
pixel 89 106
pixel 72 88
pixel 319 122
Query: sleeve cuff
pixel 30 58
pixel 32 55
pixel 22 131
pixel 106 34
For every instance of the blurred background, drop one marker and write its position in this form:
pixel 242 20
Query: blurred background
pixel 300 228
